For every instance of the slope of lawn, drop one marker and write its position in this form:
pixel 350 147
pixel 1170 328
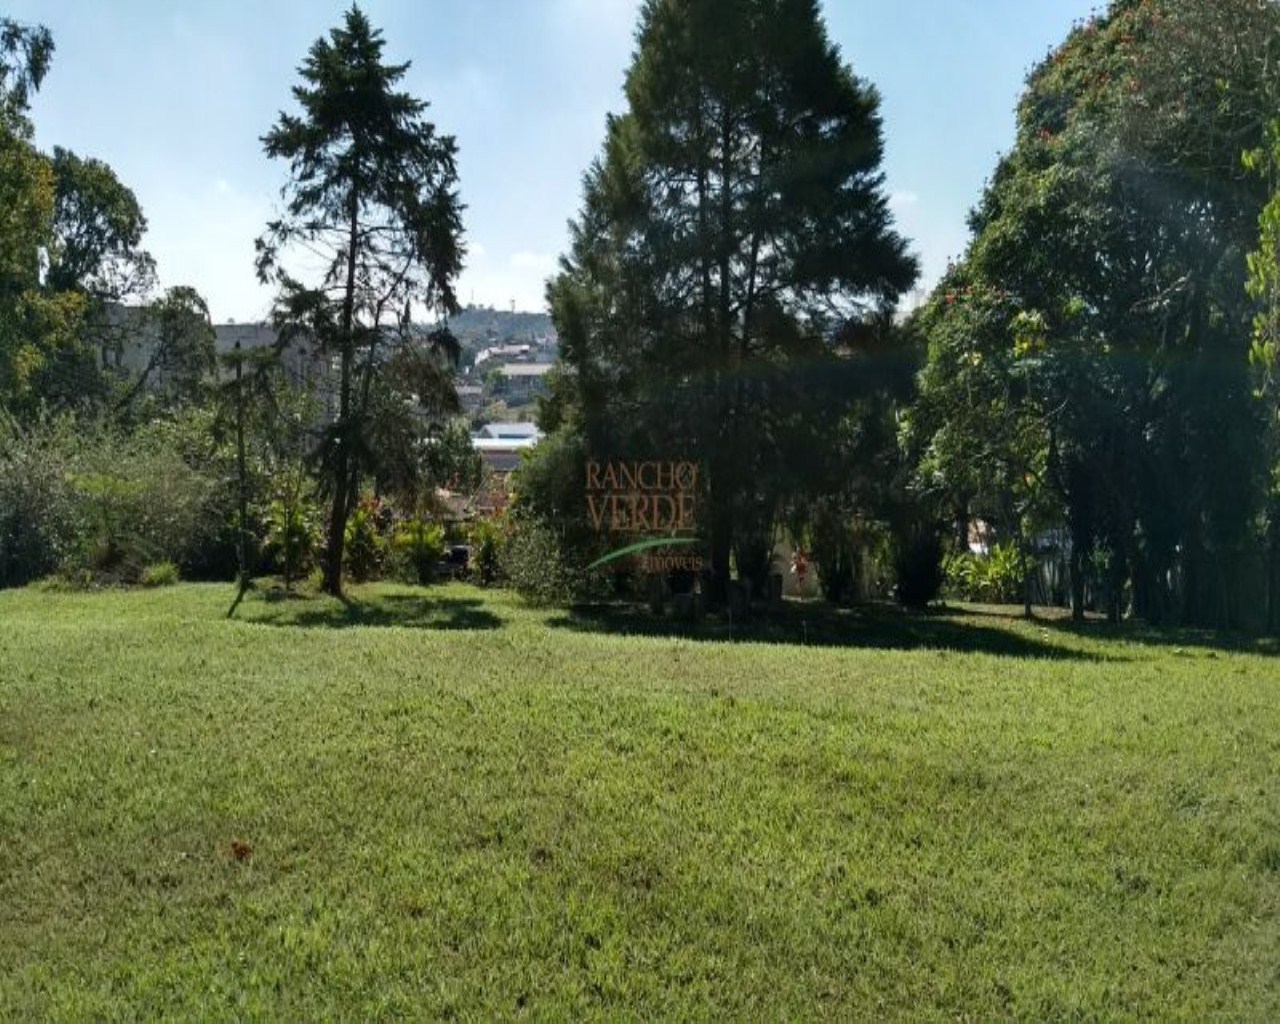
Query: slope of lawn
pixel 440 803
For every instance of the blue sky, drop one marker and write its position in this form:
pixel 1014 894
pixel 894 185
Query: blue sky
pixel 175 94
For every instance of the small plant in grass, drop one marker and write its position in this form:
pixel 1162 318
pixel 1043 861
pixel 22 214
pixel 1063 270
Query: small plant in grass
pixel 159 574
pixel 422 543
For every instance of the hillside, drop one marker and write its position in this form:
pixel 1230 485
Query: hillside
pixel 478 327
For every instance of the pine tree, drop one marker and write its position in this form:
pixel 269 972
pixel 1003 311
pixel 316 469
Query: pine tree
pixel 735 228
pixel 372 194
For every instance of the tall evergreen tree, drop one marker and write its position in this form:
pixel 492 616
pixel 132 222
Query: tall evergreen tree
pixel 733 228
pixel 372 195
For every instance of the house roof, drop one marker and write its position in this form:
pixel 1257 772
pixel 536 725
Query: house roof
pixel 504 444
pixel 525 431
pixel 526 369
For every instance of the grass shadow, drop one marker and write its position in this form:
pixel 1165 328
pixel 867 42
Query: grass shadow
pixel 1177 637
pixel 383 610
pixel 1098 628
pixel 871 627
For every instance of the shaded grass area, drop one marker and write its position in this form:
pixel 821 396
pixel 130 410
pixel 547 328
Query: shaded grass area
pixel 455 806
pixel 423 609
pixel 873 627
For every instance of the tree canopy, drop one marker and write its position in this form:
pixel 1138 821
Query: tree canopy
pixel 1114 236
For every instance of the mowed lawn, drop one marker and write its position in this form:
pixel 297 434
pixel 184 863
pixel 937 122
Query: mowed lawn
pixel 442 804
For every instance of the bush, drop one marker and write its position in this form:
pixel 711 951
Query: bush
pixel 293 536
pixel 38 513
pixel 422 543
pixel 138 502
pixel 852 556
pixel 538 567
pixel 366 548
pixel 97 505
pixel 918 566
pixel 996 578
pixel 194 434
pixel 487 537
pixel 159 574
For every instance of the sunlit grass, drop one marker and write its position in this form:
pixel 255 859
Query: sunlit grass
pixel 434 803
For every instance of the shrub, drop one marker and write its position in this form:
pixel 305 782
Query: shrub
pixel 366 548
pixel 138 502
pixel 995 578
pixel 293 535
pixel 38 513
pixel 538 566
pixel 753 556
pixel 487 537
pixel 550 487
pixel 423 544
pixel 97 505
pixel 195 435
pixel 159 574
pixel 852 556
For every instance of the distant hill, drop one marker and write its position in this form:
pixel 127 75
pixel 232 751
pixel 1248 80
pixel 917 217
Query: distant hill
pixel 478 327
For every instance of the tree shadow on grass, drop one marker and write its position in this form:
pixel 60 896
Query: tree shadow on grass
pixel 1098 628
pixel 384 610
pixel 1181 639
pixel 873 627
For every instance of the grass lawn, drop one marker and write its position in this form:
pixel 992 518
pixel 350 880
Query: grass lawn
pixel 434 804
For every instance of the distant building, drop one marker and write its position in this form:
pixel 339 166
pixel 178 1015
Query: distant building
pixel 470 397
pixel 500 444
pixel 524 381
pixel 304 365
pixel 502 352
pixel 133 334
pixel 525 431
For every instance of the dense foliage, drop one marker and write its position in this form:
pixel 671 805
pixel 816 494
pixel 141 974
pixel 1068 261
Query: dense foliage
pixel 1088 361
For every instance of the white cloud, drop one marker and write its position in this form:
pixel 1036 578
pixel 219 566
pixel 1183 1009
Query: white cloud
pixel 903 199
pixel 535 262
pixel 205 238
pixel 520 281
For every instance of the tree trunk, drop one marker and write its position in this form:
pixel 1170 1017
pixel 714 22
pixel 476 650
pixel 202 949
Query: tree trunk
pixel 1273 583
pixel 1115 584
pixel 341 507
pixel 242 485
pixel 337 529
pixel 1077 570
pixel 1028 564
pixel 721 540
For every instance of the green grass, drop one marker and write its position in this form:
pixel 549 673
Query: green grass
pixel 460 807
